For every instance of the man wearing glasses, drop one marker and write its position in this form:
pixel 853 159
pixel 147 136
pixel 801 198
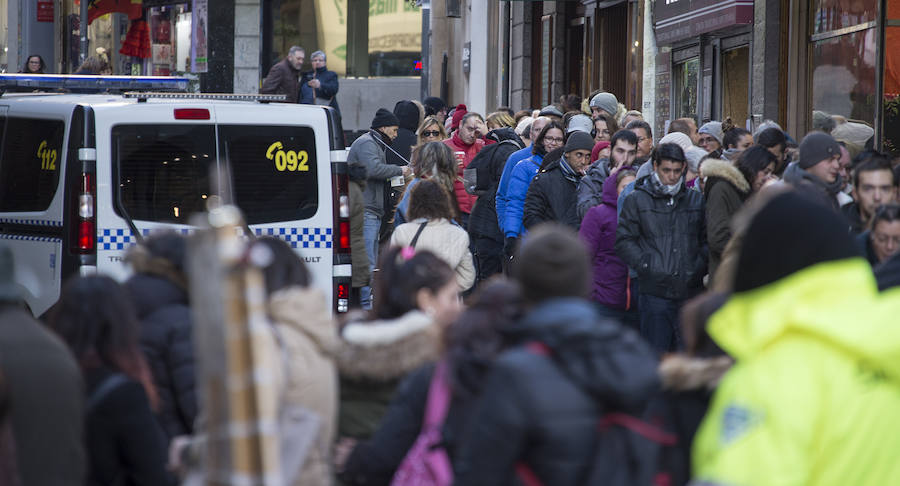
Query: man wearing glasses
pixel 552 194
pixel 319 86
pixel 645 138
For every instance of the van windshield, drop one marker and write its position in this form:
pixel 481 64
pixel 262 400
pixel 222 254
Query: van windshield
pixel 164 170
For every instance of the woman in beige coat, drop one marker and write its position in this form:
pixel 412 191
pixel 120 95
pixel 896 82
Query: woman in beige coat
pixel 308 337
pixel 430 217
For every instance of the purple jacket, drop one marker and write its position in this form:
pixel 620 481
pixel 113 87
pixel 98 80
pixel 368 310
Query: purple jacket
pixel 598 231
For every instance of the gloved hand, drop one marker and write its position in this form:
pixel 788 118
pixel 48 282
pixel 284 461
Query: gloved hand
pixel 510 246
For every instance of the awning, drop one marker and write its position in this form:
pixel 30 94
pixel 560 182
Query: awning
pixel 682 19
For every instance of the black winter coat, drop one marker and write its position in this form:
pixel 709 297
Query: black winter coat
pixel 663 238
pixel 166 329
pixel 124 442
pixel 489 163
pixel 540 409
pixel 888 273
pixel 408 114
pixel 551 197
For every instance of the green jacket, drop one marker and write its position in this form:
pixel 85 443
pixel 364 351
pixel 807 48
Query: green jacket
pixel 814 396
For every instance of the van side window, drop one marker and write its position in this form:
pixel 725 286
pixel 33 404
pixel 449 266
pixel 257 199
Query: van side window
pixel 30 163
pixel 163 170
pixel 274 169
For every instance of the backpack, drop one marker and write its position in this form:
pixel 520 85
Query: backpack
pixel 630 451
pixel 427 462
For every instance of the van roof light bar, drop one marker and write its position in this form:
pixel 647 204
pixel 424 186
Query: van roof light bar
pixel 262 98
pixel 91 84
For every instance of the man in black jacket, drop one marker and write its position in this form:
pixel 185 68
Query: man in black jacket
pixel 552 194
pixel 662 236
pixel 283 77
pixel 544 396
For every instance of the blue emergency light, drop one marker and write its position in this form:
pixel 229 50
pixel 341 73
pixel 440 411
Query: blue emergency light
pixel 90 84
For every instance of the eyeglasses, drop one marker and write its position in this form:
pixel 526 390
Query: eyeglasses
pixel 430 133
pixel 554 139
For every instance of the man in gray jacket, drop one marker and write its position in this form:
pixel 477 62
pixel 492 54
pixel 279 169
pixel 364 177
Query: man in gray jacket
pixel 369 151
pixel 46 390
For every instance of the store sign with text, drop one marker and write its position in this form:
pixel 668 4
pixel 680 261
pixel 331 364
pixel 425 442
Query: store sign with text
pixel 682 19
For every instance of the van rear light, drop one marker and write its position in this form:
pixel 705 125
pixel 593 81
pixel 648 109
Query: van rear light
pixel 85 232
pixel 344 206
pixel 342 291
pixel 191 114
pixel 344 236
pixel 342 212
pixel 86 236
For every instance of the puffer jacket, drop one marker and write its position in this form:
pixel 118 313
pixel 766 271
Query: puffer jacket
pixel 551 197
pixel 663 238
pixel 520 181
pixel 488 165
pixel 166 329
pixel 590 187
pixel 503 187
pixel 725 191
pixel 310 341
pixel 541 404
pixel 598 231
pixel 465 200
pixel 810 400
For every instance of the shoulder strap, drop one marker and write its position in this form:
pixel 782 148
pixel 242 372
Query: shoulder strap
pixel 438 397
pixel 106 387
pixel 418 232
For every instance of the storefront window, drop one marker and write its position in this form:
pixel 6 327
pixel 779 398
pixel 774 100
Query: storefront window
pixel 686 76
pixel 831 15
pixel 395 37
pixel 170 40
pixel 843 76
pixel 735 84
pixel 891 120
pixel 4 48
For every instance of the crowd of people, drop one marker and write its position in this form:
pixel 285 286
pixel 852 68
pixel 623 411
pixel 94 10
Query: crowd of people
pixel 541 297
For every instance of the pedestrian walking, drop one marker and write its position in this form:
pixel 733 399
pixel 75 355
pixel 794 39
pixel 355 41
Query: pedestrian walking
pixel 502 199
pixel 431 228
pixel 817 171
pixel 662 236
pixel 124 441
pixel 159 291
pixel 434 161
pixel 831 422
pixel 472 342
pixel 543 397
pixel 552 194
pixel 46 388
pixel 465 144
pixel 283 77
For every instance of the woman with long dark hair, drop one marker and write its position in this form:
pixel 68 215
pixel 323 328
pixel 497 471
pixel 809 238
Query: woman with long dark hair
pixel 470 345
pixel 416 297
pixel 95 318
pixel 34 65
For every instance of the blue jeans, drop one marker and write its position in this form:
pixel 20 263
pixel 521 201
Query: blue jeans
pixel 371 229
pixel 630 318
pixel 660 322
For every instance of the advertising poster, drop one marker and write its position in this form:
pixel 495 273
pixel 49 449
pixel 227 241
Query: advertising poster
pixel 199 45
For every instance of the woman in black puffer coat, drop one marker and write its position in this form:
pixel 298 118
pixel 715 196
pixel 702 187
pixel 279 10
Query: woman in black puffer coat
pixel 159 291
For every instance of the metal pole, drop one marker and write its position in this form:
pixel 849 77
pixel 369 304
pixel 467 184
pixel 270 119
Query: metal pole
pixel 424 73
pixel 83 29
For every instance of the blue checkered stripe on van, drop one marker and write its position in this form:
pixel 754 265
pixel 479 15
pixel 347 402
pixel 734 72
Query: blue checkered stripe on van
pixel 29 238
pixel 119 239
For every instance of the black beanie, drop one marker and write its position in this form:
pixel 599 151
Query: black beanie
pixel 552 262
pixel 816 147
pixel 579 140
pixel 792 232
pixel 384 118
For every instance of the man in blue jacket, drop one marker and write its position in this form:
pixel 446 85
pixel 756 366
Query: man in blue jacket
pixel 319 86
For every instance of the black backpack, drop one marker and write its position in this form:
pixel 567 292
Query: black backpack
pixel 630 452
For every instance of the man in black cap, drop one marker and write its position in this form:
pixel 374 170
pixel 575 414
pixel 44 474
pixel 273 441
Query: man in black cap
pixel 552 194
pixel 662 236
pixel 818 170
pixel 368 151
pixel 46 389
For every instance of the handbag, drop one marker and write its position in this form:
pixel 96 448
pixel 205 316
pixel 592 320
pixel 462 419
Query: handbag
pixel 427 463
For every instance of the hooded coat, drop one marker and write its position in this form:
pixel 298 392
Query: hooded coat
pixel 542 408
pixel 551 197
pixel 726 191
pixel 408 114
pixel 166 330
pixel 663 238
pixel 489 164
pixel 598 231
pixel 309 339
pixel 811 400
pixel 465 200
pixel 374 357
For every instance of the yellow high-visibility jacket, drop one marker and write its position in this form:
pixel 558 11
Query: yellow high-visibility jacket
pixel 814 396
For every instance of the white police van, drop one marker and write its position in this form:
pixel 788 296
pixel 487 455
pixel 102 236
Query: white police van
pixel 83 177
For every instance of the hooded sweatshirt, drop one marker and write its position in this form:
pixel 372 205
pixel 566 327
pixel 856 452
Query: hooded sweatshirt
pixel 408 114
pixel 813 397
pixel 598 231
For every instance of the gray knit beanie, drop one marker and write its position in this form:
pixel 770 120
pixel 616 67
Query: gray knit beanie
pixel 606 102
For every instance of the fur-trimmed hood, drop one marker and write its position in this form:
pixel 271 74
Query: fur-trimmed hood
pixel 681 372
pixel 142 261
pixel 385 350
pixel 726 171
pixel 304 309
